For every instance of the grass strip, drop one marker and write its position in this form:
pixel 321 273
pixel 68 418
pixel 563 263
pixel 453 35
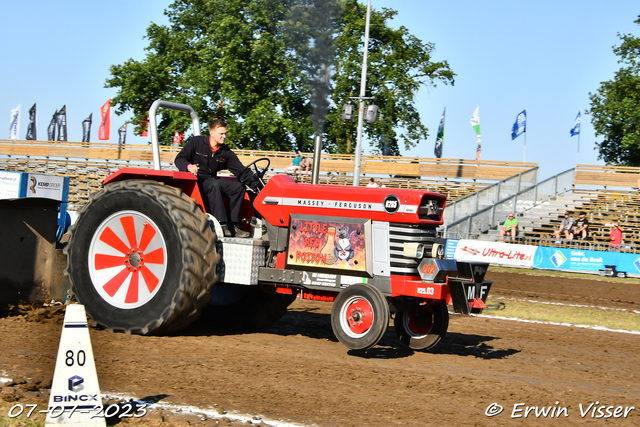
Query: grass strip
pixel 546 312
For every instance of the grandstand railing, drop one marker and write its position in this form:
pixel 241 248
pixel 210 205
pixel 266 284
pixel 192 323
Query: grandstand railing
pixel 480 221
pixel 489 195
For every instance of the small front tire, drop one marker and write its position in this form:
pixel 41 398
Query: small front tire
pixel 422 328
pixel 360 316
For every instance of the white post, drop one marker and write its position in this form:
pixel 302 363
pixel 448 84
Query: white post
pixel 363 86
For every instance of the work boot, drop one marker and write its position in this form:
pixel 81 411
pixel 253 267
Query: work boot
pixel 226 231
pixel 239 233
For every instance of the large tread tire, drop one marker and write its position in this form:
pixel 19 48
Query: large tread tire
pixel 360 316
pixel 250 309
pixel 422 328
pixel 165 292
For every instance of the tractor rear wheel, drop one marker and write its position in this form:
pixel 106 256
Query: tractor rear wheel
pixel 360 316
pixel 423 327
pixel 142 258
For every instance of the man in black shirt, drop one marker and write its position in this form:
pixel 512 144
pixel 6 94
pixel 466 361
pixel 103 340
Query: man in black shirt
pixel 581 228
pixel 204 156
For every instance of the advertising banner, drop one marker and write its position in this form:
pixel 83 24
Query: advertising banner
pixel 47 186
pixel 495 253
pixel 10 185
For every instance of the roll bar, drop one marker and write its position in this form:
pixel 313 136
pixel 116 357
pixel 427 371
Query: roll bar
pixel 153 125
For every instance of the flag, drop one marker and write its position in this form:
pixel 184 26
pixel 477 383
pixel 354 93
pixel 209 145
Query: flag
pixel 14 124
pixel 440 136
pixel 105 124
pixel 177 139
pixel 144 129
pixel 122 135
pixel 51 130
pixel 86 128
pixel 575 129
pixel 62 124
pixel 32 133
pixel 520 125
pixel 475 122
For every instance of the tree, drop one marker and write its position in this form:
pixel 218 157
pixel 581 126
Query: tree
pixel 274 68
pixel 616 107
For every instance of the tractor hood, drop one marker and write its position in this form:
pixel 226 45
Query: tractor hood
pixel 282 196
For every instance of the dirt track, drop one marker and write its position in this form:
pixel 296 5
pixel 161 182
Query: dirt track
pixel 297 371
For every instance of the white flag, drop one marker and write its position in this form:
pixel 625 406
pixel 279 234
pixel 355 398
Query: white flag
pixel 14 127
pixel 475 122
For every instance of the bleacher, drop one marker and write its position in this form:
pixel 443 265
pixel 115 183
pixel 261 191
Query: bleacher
pixel 87 164
pixel 611 194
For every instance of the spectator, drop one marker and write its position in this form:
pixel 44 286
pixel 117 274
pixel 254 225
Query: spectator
pixel 509 228
pixel 305 165
pixel 581 227
pixel 372 183
pixel 566 226
pixel 295 165
pixel 615 236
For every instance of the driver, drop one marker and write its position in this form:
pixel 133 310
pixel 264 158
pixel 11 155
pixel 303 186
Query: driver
pixel 204 157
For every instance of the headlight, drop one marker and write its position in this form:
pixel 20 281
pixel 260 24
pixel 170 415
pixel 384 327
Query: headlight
pixel 413 250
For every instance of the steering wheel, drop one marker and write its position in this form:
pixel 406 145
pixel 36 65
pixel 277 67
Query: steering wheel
pixel 259 172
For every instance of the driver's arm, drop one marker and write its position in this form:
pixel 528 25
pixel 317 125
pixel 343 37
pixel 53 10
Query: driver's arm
pixel 236 167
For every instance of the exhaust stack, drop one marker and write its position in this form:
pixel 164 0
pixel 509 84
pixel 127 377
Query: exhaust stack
pixel 316 159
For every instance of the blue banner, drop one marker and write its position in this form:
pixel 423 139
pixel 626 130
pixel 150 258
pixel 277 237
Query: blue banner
pixel 520 125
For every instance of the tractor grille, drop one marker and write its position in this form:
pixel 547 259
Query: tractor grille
pixel 401 233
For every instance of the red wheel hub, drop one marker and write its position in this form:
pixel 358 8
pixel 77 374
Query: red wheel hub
pixel 359 316
pixel 420 320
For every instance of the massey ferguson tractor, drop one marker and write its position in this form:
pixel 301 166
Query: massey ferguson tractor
pixel 144 256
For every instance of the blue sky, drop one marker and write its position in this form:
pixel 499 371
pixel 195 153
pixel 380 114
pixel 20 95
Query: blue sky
pixel 544 56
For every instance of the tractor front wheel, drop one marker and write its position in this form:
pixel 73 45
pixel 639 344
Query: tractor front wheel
pixel 423 327
pixel 360 316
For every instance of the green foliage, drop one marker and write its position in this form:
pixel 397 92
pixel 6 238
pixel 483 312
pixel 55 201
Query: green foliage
pixel 275 68
pixel 616 107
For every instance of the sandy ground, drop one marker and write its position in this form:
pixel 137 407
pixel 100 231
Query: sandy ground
pixel 297 372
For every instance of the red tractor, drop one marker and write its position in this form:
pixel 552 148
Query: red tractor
pixel 144 256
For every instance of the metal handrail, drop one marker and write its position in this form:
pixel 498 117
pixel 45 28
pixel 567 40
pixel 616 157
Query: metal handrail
pixel 513 200
pixel 153 125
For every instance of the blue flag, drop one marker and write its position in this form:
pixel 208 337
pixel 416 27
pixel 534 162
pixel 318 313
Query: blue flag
pixel 575 129
pixel 520 125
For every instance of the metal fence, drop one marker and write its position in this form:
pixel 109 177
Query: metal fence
pixel 517 194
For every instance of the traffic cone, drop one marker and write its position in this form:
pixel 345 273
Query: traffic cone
pixel 75 394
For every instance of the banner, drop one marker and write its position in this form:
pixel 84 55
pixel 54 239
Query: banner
pixel 51 130
pixel 14 126
pixel 104 131
pixel 520 126
pixel 122 136
pixel 575 129
pixel 440 136
pixel 177 139
pixel 62 124
pixel 32 133
pixel 495 253
pixel 86 128
pixel 144 128
pixel 475 122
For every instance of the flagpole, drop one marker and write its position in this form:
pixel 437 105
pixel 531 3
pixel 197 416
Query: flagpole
pixel 526 123
pixel 579 132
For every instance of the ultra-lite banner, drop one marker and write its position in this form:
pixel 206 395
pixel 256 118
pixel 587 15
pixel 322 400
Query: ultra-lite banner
pixel 542 257
pixel 495 253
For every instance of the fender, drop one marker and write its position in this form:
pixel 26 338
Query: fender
pixel 186 181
